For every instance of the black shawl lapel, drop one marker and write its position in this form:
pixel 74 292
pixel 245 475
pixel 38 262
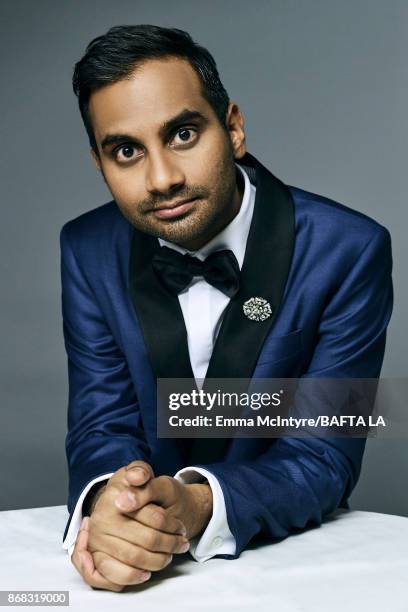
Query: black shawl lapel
pixel 158 311
pixel 264 272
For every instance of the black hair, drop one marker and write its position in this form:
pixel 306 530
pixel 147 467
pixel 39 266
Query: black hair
pixel 114 56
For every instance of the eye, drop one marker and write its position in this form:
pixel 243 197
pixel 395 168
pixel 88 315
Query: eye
pixel 185 135
pixel 125 153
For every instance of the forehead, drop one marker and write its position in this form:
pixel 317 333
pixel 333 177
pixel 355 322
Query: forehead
pixel 156 90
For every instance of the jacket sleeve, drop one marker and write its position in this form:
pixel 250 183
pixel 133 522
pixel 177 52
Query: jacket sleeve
pixel 104 425
pixel 297 481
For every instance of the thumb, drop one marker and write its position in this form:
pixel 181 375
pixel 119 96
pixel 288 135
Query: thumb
pixel 138 473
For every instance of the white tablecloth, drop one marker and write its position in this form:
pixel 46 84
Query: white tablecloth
pixel 355 561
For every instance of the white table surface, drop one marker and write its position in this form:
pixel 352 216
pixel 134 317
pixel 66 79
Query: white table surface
pixel 355 561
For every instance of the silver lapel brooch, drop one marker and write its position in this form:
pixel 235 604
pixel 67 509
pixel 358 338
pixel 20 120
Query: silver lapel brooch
pixel 257 309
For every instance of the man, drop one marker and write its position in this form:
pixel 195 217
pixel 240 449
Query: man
pixel 171 148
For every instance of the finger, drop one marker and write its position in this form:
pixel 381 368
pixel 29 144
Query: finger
pixel 159 490
pixel 139 535
pixel 130 554
pixel 156 517
pixel 82 536
pixel 83 562
pixel 93 577
pixel 81 544
pixel 118 573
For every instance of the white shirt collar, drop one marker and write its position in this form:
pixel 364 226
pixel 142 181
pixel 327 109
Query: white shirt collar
pixel 234 235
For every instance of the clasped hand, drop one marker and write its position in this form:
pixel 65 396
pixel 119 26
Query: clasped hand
pixel 136 525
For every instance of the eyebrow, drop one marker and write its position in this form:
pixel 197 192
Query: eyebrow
pixel 166 128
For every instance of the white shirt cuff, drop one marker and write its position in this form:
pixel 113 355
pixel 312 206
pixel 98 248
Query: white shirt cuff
pixel 75 524
pixel 217 538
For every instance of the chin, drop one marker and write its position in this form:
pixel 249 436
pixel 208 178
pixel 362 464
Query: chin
pixel 184 230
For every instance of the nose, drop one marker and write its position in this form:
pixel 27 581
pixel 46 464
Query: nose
pixel 163 173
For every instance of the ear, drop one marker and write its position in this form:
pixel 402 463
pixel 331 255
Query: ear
pixel 235 124
pixel 96 159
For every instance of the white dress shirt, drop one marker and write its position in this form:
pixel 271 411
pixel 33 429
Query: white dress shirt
pixel 203 308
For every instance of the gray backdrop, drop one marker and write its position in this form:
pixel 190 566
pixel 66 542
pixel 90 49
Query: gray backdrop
pixel 323 88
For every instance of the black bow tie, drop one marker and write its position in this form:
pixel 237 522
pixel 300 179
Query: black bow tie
pixel 176 271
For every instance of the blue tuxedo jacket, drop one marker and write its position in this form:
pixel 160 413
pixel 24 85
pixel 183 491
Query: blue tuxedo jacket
pixel 326 271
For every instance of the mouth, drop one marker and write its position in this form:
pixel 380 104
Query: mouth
pixel 174 210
